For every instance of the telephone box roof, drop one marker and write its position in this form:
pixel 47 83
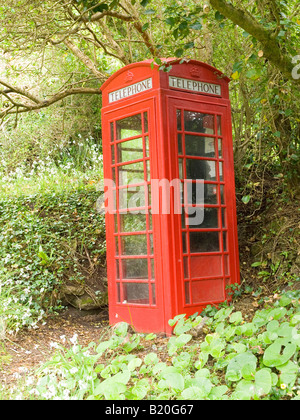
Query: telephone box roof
pixel 171 61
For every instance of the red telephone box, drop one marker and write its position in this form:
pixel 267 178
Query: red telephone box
pixel 172 243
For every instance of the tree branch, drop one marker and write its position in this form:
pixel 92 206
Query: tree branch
pixel 20 91
pixel 270 45
pixel 20 108
pixel 85 59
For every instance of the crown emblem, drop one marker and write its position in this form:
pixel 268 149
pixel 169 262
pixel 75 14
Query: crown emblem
pixel 195 71
pixel 129 76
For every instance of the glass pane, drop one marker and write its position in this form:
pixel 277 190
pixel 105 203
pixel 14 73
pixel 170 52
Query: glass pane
pixel 152 269
pixel 187 292
pixel 111 131
pixel 147 145
pixel 201 169
pixel 185 268
pixel 131 222
pixel 198 123
pixel 210 218
pixel 194 192
pixel 131 174
pixel 146 122
pixel 220 148
pixel 135 268
pixel 178 112
pixel 148 169
pixel 118 293
pixel 130 150
pixel 151 244
pixel 113 154
pixel 199 146
pixel 210 194
pixel 117 245
pixel 179 144
pixel 183 242
pixel 225 241
pixel 183 219
pixel 136 293
pixel 150 220
pixel 153 294
pixel 132 197
pixel 204 241
pixel 134 245
pixel 219 125
pixel 117 269
pixel 180 163
pixel 223 218
pixel 221 171
pixel 129 127
pixel 222 194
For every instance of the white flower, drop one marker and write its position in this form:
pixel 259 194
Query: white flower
pixel 54 345
pixel 74 339
pixel 74 370
pixel 63 338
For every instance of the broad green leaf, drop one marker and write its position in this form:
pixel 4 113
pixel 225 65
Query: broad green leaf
pixel 151 358
pixel 279 352
pixel 174 380
pixel 244 390
pixel 203 383
pixel 113 391
pixel 263 382
pixel 217 392
pixel 141 388
pixel 197 26
pixel 288 373
pixel 236 317
pixel 243 363
pixel 192 393
pixel 133 364
pixel 246 199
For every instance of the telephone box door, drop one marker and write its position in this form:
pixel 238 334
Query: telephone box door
pixel 207 227
pixel 135 293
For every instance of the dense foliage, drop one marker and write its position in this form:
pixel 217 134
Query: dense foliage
pixel 238 358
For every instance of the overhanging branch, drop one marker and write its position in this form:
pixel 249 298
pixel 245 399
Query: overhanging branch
pixel 267 38
pixel 18 108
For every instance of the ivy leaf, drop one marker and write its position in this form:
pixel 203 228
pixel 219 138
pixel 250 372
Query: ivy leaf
pixel 145 26
pixel 174 380
pixel 246 199
pixel 279 352
pixel 144 3
pixel 170 21
pixel 197 26
pixel 244 364
pixel 263 382
pixel 189 45
pixel 179 52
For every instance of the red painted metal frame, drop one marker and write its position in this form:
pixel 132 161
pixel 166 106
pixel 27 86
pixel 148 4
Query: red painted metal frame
pixel 161 103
